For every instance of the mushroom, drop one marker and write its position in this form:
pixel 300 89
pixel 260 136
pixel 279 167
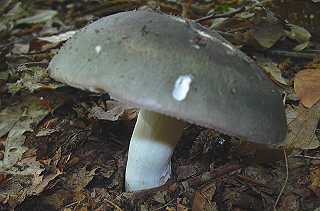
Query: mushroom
pixel 176 71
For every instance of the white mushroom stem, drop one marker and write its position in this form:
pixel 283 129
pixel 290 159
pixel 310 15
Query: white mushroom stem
pixel 152 143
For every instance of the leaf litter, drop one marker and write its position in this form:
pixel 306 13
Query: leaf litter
pixel 32 79
pixel 306 84
pixel 65 149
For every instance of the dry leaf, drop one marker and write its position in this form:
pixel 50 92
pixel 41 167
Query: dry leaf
pixel 301 46
pixel 49 42
pixel 25 180
pixel 290 202
pixel 113 111
pixel 274 71
pixel 58 199
pixel 307 86
pixel 203 199
pixel 32 79
pixel 315 180
pixel 79 180
pixel 291 114
pixel 301 131
pixel 41 16
pixel 3 178
pixel 20 48
pixel 41 182
pixel 298 33
pixel 58 38
pixel 268 32
pixel 187 171
pixel 21 116
pixel 111 115
pixel 160 196
pixel 181 207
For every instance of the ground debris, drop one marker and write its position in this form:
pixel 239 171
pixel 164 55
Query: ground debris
pixel 302 130
pixel 306 84
pixel 66 149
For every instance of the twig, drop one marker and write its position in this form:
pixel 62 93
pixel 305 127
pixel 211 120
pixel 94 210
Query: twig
pixel 145 193
pixel 113 204
pixel 251 181
pixel 307 156
pixel 301 55
pixel 213 174
pixel 194 181
pixel 285 182
pixel 166 204
pixel 224 15
pixel 71 204
pixel 206 198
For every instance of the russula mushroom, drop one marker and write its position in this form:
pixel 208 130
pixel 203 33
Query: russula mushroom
pixel 175 71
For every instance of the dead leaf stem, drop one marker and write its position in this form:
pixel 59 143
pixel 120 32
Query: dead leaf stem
pixel 285 182
pixel 224 15
pixel 114 205
pixel 307 157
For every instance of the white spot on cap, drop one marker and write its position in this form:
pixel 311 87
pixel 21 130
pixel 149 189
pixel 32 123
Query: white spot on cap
pixel 98 49
pixel 179 19
pixel 196 46
pixel 181 87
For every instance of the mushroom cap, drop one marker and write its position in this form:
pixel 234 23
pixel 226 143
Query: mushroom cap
pixel 175 67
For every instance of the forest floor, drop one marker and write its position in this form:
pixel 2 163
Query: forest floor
pixel 57 153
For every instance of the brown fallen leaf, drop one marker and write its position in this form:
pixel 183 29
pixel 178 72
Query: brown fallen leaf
pixel 46 43
pixel 41 16
pixel 290 202
pixel 160 196
pixel 170 209
pixel 272 69
pixel 315 180
pixel 203 199
pixel 181 207
pixel 20 48
pixel 187 171
pixel 301 131
pixel 37 45
pixel 79 180
pixel 26 179
pixel 113 111
pixel 3 178
pixel 307 86
pixel 268 32
pixel 32 79
pixel 17 120
pixel 58 38
pixel 58 199
pixel 41 182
